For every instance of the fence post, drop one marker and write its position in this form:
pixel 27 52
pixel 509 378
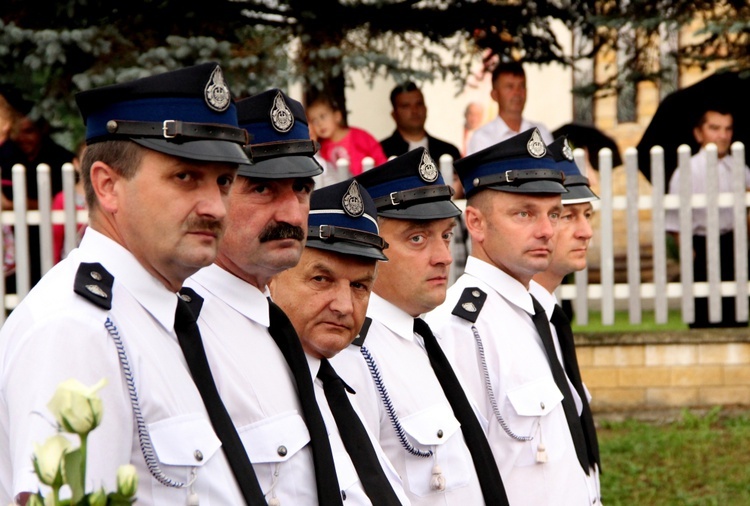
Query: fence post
pixel 686 233
pixel 21 232
pixel 633 230
pixel 581 277
pixel 740 232
pixel 713 232
pixel 44 193
pixel 607 263
pixel 659 252
pixel 69 210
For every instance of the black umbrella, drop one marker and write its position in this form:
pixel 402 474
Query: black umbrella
pixel 680 111
pixel 586 136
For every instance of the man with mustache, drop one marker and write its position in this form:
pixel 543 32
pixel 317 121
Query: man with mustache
pixel 157 179
pixel 260 371
pixel 498 335
pixel 509 91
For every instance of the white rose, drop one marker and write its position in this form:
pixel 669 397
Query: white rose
pixel 48 460
pixel 127 480
pixel 76 407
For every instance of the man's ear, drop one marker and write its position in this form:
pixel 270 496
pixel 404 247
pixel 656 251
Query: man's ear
pixel 698 134
pixel 493 95
pixel 104 181
pixel 475 223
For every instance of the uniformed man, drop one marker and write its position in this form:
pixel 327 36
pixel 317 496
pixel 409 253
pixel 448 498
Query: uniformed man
pixel 162 154
pixel 326 298
pixel 423 420
pixel 572 239
pixel 260 367
pixel 498 336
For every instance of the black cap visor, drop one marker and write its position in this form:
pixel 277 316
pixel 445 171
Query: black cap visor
pixel 530 187
pixel 282 167
pixel 201 150
pixel 435 210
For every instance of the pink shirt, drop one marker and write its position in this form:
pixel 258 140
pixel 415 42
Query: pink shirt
pixel 356 145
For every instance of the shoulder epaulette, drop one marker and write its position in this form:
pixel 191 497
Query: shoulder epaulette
pixel 94 284
pixel 360 339
pixel 470 304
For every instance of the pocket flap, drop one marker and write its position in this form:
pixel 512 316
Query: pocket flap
pixel 431 426
pixel 275 439
pixel 187 440
pixel 535 398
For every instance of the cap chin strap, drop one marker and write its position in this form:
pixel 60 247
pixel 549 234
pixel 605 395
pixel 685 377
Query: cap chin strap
pixel 178 131
pixel 415 196
pixel 329 233
pixel 516 177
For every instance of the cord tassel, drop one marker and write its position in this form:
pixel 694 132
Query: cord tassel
pixel 437 482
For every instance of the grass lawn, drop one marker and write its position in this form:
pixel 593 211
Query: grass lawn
pixel 622 323
pixel 697 460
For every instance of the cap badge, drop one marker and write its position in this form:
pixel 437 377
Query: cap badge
pixel 427 169
pixel 536 146
pixel 567 151
pixel 352 201
pixel 282 118
pixel 217 93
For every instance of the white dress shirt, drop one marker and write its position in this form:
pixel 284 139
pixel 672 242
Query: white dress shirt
pixel 497 131
pixel 55 334
pixel 698 171
pixel 346 473
pixel 420 405
pixel 256 385
pixel 527 398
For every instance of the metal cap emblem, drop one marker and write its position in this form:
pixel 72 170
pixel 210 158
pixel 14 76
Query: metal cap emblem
pixel 282 118
pixel 217 93
pixel 352 201
pixel 536 146
pixel 428 171
pixel 567 151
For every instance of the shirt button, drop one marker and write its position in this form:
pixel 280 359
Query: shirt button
pixel 198 455
pixel 185 297
pixel 343 495
pixel 440 433
pixel 281 450
pixel 541 405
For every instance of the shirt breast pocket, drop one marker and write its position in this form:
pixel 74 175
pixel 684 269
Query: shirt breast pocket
pixel 180 444
pixel 436 429
pixel 536 410
pixel 274 441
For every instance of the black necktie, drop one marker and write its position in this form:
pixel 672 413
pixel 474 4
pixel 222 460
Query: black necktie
pixel 282 331
pixel 567 346
pixel 481 453
pixel 188 335
pixel 569 406
pixel 357 442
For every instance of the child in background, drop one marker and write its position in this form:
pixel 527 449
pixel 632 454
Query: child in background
pixel 339 141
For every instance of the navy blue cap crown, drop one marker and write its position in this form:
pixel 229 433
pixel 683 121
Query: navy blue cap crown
pixel 576 183
pixel 520 164
pixel 187 112
pixel 410 187
pixel 281 145
pixel 343 219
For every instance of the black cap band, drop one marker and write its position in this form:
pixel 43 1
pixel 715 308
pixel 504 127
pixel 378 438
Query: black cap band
pixel 415 196
pixel 511 177
pixel 176 129
pixel 331 233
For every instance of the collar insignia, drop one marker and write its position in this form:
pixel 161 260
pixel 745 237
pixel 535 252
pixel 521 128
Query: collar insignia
pixel 469 306
pixel 536 146
pixel 217 93
pixel 428 171
pixel 282 118
pixel 352 201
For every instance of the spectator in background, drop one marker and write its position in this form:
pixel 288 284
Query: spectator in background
pixel 509 91
pixel 410 113
pixel 58 203
pixel 716 126
pixel 473 119
pixel 339 141
pixel 12 108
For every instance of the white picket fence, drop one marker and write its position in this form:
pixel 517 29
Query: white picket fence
pixel 605 296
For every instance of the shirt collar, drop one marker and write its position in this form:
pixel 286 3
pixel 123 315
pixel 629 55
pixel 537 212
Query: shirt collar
pixel 236 293
pixel 506 286
pixel 392 317
pixel 546 299
pixel 128 272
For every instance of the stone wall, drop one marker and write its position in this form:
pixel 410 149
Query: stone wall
pixel 653 375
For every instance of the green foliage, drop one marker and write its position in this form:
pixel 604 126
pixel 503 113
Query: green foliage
pixel 696 460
